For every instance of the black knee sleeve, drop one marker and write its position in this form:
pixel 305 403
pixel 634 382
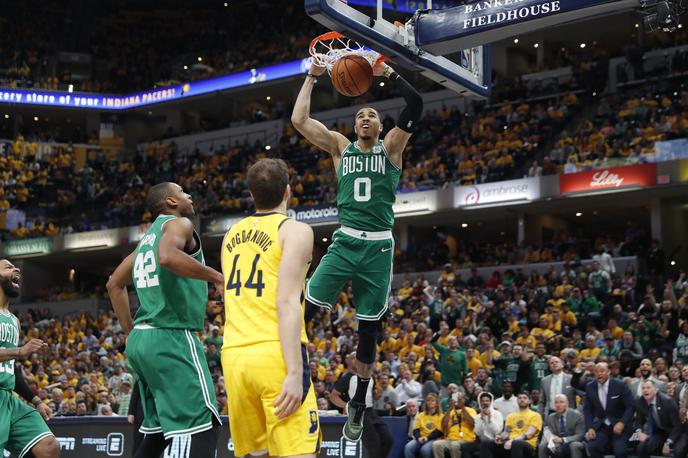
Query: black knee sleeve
pixel 309 313
pixel 367 345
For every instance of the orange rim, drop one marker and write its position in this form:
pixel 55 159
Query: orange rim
pixel 335 35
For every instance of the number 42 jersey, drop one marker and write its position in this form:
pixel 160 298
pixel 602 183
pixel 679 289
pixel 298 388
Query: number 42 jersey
pixel 167 300
pixel 251 257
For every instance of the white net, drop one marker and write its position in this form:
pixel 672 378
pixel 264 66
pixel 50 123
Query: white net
pixel 330 47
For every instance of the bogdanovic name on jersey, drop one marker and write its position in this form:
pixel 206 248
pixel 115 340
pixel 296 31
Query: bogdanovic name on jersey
pixel 9 334
pixel 374 163
pixel 257 237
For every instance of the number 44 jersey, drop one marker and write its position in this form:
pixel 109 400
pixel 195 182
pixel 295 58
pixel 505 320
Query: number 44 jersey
pixel 367 188
pixel 167 300
pixel 251 257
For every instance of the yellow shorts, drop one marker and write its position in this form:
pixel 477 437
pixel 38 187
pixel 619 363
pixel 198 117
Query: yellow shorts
pixel 253 380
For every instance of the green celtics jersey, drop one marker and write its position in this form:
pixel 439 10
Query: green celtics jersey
pixel 367 188
pixel 167 299
pixel 9 338
pixel 539 369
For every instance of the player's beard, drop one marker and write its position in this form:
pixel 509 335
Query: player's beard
pixel 8 288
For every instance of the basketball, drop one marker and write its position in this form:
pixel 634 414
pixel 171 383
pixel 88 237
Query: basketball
pixel 352 76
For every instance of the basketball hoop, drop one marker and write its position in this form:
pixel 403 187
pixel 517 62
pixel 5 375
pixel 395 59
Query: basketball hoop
pixel 329 47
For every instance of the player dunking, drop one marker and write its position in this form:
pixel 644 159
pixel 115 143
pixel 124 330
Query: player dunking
pixel 362 249
pixel 22 430
pixel 265 257
pixel 171 280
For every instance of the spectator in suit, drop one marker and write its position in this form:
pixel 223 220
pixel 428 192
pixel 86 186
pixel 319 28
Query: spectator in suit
pixel 608 410
pixel 566 428
pixel 636 384
pixel 658 426
pixel 556 383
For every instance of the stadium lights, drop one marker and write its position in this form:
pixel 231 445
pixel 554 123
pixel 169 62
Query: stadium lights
pixel 579 214
pixel 200 59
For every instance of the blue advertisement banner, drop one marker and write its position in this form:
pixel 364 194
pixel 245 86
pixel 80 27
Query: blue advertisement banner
pixel 122 102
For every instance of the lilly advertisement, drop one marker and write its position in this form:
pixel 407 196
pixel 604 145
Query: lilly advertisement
pixel 499 193
pixel 633 176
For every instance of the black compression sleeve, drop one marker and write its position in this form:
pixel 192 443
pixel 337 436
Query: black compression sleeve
pixel 414 104
pixel 21 387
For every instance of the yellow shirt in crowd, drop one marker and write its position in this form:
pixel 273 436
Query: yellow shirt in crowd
pixel 520 421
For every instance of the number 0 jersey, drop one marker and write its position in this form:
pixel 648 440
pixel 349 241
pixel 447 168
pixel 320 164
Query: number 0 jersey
pixel 251 257
pixel 9 338
pixel 367 188
pixel 167 299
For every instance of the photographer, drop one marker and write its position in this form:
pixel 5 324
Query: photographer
pixel 458 427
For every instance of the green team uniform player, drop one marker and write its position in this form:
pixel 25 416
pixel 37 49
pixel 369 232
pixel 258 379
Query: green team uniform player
pixel 171 279
pixel 362 249
pixel 22 428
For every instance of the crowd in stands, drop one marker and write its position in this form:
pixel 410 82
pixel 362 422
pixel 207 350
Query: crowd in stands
pixel 470 336
pixel 131 46
pixel 625 126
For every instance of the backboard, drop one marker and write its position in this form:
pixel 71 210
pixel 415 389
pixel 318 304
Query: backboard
pixel 467 71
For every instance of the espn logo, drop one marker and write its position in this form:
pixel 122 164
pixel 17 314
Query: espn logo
pixel 66 443
pixel 115 444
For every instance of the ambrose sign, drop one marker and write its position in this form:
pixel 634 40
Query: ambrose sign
pixel 496 193
pixel 613 178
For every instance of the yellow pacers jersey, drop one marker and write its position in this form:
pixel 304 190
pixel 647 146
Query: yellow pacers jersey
pixel 251 257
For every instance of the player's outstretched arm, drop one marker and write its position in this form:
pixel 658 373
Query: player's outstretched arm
pixel 117 290
pixel 31 347
pixel 314 131
pixel 171 255
pixel 296 240
pixel 396 139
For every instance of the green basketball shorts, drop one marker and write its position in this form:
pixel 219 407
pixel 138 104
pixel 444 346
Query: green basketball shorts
pixel 177 392
pixel 366 259
pixel 21 426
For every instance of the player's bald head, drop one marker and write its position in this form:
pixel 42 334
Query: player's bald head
pixel 157 195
